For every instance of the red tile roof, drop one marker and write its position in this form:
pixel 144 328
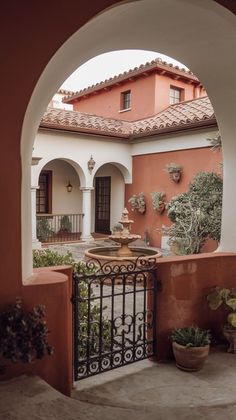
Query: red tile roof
pixel 84 123
pixel 155 65
pixel 177 117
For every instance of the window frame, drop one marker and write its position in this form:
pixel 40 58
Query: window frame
pixel 48 190
pixel 125 100
pixel 181 94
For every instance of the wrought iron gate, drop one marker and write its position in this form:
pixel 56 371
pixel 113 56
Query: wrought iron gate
pixel 114 315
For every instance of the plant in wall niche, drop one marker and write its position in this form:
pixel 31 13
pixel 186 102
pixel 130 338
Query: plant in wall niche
pixel 24 333
pixel 158 202
pixel 138 203
pixel 175 171
pixel 226 297
pixel 190 347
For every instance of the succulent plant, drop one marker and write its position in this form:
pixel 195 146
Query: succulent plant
pixel 191 336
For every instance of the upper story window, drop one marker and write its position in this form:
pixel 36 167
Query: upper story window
pixel 176 95
pixel 125 102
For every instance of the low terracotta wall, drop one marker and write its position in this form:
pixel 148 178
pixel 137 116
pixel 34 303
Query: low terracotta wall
pixel 182 300
pixel 51 287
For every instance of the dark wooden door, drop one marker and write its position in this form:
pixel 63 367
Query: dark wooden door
pixel 102 204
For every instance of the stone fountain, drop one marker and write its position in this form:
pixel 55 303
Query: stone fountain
pixel 122 252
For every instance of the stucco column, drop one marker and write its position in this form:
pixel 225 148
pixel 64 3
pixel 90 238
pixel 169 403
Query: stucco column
pixel 35 242
pixel 86 225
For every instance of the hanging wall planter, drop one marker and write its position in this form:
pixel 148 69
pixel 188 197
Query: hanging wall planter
pixel 138 203
pixel 158 202
pixel 175 171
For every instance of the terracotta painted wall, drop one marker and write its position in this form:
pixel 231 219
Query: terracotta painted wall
pixel 182 300
pixel 162 91
pixel 59 23
pixel 107 103
pixel 149 95
pixel 149 175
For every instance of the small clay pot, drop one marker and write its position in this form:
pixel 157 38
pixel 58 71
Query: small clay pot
pixel 161 207
pixel 190 359
pixel 175 176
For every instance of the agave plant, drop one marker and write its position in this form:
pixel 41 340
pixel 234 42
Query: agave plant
pixel 191 336
pixel 227 297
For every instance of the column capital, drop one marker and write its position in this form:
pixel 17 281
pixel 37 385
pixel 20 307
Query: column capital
pixel 34 187
pixel 86 188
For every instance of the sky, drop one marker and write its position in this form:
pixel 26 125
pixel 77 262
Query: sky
pixel 110 64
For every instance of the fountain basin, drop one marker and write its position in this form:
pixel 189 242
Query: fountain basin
pixel 111 253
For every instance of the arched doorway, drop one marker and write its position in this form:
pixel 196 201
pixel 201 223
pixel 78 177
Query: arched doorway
pixel 200 26
pixel 58 203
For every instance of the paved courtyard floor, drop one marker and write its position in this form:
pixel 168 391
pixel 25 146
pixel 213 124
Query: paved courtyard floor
pixel 142 391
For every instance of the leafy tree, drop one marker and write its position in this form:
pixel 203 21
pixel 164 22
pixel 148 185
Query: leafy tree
pixel 196 214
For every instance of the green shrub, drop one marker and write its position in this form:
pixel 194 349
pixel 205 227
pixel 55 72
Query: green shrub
pixel 23 334
pixel 47 258
pixel 196 214
pixel 44 231
pixel 65 224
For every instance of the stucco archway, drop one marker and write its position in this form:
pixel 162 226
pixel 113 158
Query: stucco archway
pixel 201 34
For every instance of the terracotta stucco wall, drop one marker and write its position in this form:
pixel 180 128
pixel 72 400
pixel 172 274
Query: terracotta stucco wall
pixel 162 91
pixel 149 95
pixel 149 175
pixel 108 102
pixel 186 281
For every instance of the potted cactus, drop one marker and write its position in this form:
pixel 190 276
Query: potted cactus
pixel 226 297
pixel 190 347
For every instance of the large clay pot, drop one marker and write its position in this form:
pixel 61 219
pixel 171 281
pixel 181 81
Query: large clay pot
pixel 190 359
pixel 230 335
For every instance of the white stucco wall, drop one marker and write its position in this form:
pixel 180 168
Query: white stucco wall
pixel 77 149
pixel 170 142
pixel 64 202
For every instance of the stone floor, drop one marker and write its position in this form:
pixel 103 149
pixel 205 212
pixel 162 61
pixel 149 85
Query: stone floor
pixel 143 391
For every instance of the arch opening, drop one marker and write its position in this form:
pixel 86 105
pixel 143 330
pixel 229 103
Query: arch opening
pixel 201 26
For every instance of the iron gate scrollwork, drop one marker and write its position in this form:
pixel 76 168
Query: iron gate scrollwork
pixel 114 315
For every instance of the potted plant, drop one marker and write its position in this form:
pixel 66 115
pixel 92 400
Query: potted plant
pixel 175 171
pixel 227 297
pixel 191 347
pixel 65 224
pixel 158 202
pixel 23 334
pixel 138 203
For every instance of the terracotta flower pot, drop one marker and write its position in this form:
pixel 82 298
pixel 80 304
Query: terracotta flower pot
pixel 190 359
pixel 175 176
pixel 161 207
